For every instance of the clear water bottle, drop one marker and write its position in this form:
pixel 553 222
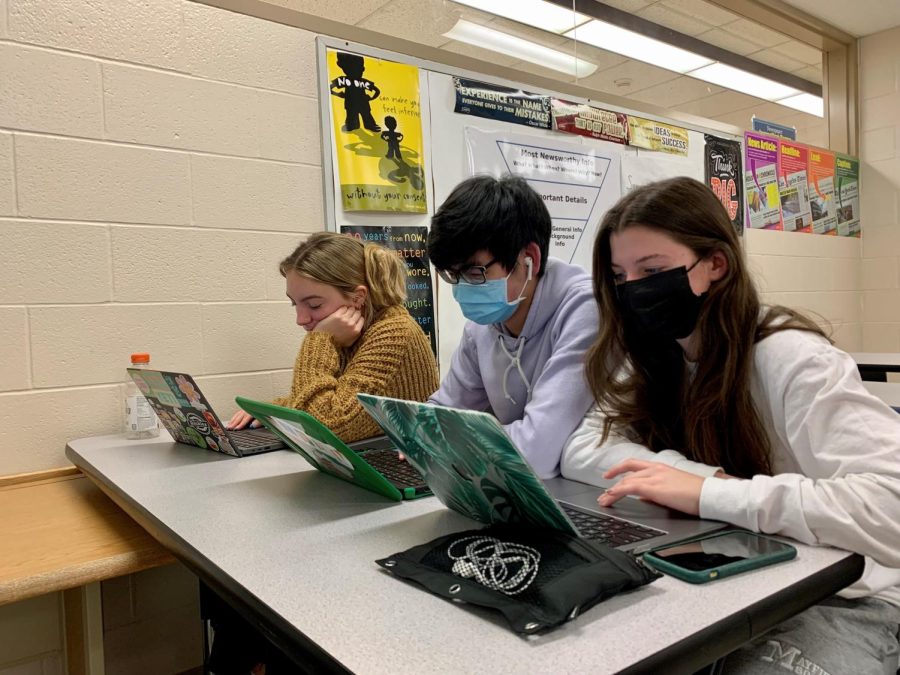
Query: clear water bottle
pixel 140 420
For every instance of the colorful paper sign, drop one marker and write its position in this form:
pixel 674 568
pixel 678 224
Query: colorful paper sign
pixel 377 131
pixel 821 191
pixel 761 182
pixel 651 135
pixel 793 187
pixel 774 129
pixel 492 101
pixel 846 170
pixel 409 243
pixel 722 168
pixel 586 120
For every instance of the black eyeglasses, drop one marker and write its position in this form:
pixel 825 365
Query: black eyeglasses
pixel 470 274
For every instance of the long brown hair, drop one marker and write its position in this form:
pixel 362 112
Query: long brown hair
pixel 346 262
pixel 646 390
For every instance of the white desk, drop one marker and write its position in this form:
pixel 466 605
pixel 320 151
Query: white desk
pixel 293 550
pixel 874 366
pixel 889 392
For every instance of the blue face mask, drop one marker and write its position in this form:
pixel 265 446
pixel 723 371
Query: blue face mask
pixel 486 303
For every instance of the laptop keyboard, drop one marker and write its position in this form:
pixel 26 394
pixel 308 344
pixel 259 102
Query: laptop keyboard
pixel 608 530
pixel 388 464
pixel 252 438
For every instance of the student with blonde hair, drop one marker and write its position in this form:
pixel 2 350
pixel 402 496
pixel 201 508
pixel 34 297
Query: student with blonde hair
pixel 348 296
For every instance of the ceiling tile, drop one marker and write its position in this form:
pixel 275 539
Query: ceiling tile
pixel 860 17
pixel 535 69
pixel 345 12
pixel 641 76
pixel 670 18
pixel 422 22
pixel 630 6
pixel 525 32
pixel 711 14
pixel 479 53
pixel 755 33
pixel 810 73
pixel 676 92
pixel 774 59
pixel 801 53
pixel 733 43
pixel 600 57
pixel 719 104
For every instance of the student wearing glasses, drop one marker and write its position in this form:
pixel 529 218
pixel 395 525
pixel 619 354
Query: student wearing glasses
pixel 715 405
pixel 531 318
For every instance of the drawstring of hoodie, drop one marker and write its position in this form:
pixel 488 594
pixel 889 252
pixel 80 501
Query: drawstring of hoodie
pixel 515 361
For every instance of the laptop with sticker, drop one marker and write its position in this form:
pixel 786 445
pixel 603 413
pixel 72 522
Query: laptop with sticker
pixel 475 469
pixel 369 464
pixel 187 415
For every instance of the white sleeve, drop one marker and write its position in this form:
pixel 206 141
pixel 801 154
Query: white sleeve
pixel 839 447
pixel 584 460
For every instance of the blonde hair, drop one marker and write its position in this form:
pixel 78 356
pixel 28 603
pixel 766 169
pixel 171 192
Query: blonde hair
pixel 344 263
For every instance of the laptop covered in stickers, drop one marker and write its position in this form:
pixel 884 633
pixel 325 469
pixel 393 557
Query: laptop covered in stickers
pixel 373 464
pixel 475 469
pixel 189 418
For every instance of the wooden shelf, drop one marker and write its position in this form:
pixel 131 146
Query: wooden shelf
pixel 59 531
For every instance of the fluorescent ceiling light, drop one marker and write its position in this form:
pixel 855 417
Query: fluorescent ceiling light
pixel 538 13
pixel 742 81
pixel 504 43
pixel 805 103
pixel 637 46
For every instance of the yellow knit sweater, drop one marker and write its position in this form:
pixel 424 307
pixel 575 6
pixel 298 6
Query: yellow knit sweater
pixel 392 357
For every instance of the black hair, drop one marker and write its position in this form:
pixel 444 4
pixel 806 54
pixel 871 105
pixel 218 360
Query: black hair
pixel 501 215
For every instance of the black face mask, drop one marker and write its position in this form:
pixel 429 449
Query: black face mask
pixel 661 306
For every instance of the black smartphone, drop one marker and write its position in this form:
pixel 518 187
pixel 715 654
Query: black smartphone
pixel 719 555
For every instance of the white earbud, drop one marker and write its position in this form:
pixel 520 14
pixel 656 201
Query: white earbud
pixel 529 263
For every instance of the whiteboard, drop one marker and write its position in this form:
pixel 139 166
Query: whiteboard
pixel 448 159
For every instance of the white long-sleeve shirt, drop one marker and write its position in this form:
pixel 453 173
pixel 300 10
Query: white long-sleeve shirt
pixel 835 453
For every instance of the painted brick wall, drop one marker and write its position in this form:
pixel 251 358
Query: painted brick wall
pixel 880 168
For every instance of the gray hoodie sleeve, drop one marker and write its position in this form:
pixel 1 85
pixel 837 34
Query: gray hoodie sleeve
pixel 560 396
pixel 463 387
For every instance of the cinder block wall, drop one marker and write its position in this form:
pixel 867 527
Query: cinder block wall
pixel 880 161
pixel 157 158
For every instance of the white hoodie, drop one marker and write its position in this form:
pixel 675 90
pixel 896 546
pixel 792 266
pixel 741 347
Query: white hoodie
pixel 835 452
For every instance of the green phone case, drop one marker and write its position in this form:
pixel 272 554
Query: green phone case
pixel 334 457
pixel 781 551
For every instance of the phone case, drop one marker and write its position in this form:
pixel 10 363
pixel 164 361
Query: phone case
pixel 727 570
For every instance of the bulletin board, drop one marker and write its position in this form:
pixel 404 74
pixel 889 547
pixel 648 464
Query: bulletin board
pixel 475 124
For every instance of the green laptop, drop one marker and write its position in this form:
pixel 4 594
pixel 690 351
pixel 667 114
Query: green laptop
pixel 377 469
pixel 469 462
pixel 475 469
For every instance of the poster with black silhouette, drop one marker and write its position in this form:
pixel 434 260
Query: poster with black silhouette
pixel 377 127
pixel 724 176
pixel 409 242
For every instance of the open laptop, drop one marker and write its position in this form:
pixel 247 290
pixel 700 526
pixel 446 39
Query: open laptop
pixel 475 469
pixel 373 464
pixel 188 416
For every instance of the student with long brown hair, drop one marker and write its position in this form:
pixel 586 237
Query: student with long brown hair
pixel 712 404
pixel 348 296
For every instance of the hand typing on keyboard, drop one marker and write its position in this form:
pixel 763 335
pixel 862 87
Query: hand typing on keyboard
pixel 241 419
pixel 655 482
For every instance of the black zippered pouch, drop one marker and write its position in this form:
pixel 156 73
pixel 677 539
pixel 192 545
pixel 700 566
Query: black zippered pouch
pixel 538 579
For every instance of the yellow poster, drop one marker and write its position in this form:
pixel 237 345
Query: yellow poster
pixel 377 127
pixel 657 136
